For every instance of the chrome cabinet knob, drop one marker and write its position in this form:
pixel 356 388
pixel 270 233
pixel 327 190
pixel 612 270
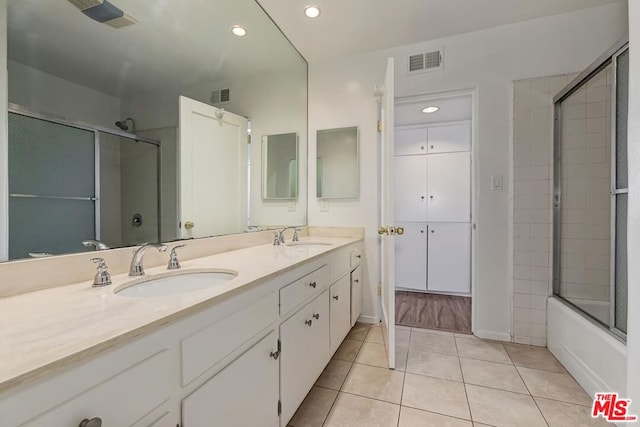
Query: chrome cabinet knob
pixel 316 316
pixel 313 284
pixel 336 297
pixel 308 322
pixel 93 422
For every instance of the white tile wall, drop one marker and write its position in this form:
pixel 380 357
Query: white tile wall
pixel 532 204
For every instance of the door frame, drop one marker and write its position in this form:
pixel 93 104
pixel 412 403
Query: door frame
pixel 473 93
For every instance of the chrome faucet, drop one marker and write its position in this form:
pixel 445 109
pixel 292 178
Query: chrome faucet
pixel 279 236
pixel 136 263
pixel 95 243
pixel 102 278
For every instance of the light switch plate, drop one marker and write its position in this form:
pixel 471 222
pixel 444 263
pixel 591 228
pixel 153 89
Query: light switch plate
pixel 496 183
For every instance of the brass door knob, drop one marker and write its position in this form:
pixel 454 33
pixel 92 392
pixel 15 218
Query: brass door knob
pixel 383 230
pixel 399 231
pixel 189 225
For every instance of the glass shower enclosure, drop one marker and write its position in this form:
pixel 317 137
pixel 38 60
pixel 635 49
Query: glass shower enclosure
pixel 590 191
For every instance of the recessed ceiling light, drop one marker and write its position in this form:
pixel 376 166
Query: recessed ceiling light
pixel 312 11
pixel 239 31
pixel 429 110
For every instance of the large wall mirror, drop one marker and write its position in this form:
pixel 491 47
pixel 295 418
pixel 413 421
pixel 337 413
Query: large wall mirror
pixel 338 175
pixel 280 166
pixel 117 107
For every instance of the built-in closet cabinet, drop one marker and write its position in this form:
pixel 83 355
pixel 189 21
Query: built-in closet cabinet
pixel 340 311
pixel 433 205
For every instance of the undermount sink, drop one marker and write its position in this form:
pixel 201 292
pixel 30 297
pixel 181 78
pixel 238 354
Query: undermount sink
pixel 176 284
pixel 308 243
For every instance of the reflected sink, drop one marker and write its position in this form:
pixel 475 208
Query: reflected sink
pixel 308 243
pixel 176 284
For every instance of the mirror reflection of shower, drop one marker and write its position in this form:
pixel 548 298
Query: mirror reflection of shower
pixel 122 124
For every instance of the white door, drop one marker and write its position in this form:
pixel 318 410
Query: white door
pixel 449 187
pixel 339 311
pixel 213 170
pixel 449 139
pixel 387 228
pixel 411 257
pixel 449 255
pixel 410 141
pixel 251 381
pixel 410 195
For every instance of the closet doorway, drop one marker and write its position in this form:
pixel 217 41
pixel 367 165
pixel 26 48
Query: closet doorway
pixel 433 185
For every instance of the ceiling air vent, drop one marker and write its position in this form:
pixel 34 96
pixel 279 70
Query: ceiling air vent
pixel 424 62
pixel 222 96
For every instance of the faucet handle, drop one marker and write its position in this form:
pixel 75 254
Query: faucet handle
pixel 174 264
pixel 102 277
pixel 295 234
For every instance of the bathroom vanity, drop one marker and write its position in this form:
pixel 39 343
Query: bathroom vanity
pixel 242 353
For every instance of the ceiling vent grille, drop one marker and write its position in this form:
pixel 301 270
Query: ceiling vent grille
pixel 222 96
pixel 425 62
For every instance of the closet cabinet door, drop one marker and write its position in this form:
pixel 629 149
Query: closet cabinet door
pixel 449 254
pixel 449 139
pixel 449 187
pixel 411 257
pixel 251 381
pixel 410 193
pixel 356 295
pixel 410 141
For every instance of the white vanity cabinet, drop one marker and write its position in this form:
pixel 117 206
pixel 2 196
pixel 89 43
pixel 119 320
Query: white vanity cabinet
pixel 305 352
pixel 247 360
pixel 340 311
pixel 245 393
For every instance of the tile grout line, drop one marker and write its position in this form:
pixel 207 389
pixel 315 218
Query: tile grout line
pixel 464 384
pixel 527 387
pixel 404 377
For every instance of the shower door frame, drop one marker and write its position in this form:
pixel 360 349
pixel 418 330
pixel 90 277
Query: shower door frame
pixel 23 111
pixel 606 59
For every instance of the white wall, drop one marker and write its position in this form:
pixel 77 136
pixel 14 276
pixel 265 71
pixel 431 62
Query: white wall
pixel 633 234
pixel 45 93
pixel 341 94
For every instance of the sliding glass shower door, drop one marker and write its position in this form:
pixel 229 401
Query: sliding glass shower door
pixel 590 194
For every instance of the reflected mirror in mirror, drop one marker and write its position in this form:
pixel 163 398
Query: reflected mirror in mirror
pixel 337 164
pixel 92 89
pixel 280 166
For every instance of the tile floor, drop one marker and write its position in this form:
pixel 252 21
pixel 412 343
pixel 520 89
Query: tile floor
pixel 442 379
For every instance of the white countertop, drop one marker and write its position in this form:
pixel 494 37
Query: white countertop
pixel 50 329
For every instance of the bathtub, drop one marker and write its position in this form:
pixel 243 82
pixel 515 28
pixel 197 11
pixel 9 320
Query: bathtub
pixel 595 358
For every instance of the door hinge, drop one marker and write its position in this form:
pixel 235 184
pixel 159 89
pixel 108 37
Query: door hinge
pixel 248 139
pixel 379 289
pixel 379 126
pixel 279 407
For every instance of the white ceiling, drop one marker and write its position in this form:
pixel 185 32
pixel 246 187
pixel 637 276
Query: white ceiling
pixel 176 43
pixel 353 26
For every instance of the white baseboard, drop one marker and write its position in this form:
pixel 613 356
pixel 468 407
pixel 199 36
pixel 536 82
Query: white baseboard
pixel 368 319
pixel 495 336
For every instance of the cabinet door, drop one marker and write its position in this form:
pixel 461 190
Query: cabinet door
pixel 449 248
pixel 410 141
pixel 356 295
pixel 340 311
pixel 305 353
pixel 251 381
pixel 411 257
pixel 410 193
pixel 449 139
pixel 449 187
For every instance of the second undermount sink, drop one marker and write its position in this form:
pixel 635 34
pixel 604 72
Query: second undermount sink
pixel 175 284
pixel 307 243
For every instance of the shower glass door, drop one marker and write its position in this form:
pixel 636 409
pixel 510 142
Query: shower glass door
pixel 52 187
pixel 590 192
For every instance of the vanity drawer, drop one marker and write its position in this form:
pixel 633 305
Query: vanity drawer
pixel 204 349
pixel 303 288
pixel 119 401
pixel 356 257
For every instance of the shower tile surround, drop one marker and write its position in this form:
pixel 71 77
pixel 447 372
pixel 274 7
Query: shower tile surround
pixel 585 236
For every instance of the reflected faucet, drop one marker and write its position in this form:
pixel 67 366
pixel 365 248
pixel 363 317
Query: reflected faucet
pixel 136 263
pixel 99 246
pixel 279 236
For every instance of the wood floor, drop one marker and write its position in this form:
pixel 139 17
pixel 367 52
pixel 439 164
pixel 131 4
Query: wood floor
pixel 431 311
